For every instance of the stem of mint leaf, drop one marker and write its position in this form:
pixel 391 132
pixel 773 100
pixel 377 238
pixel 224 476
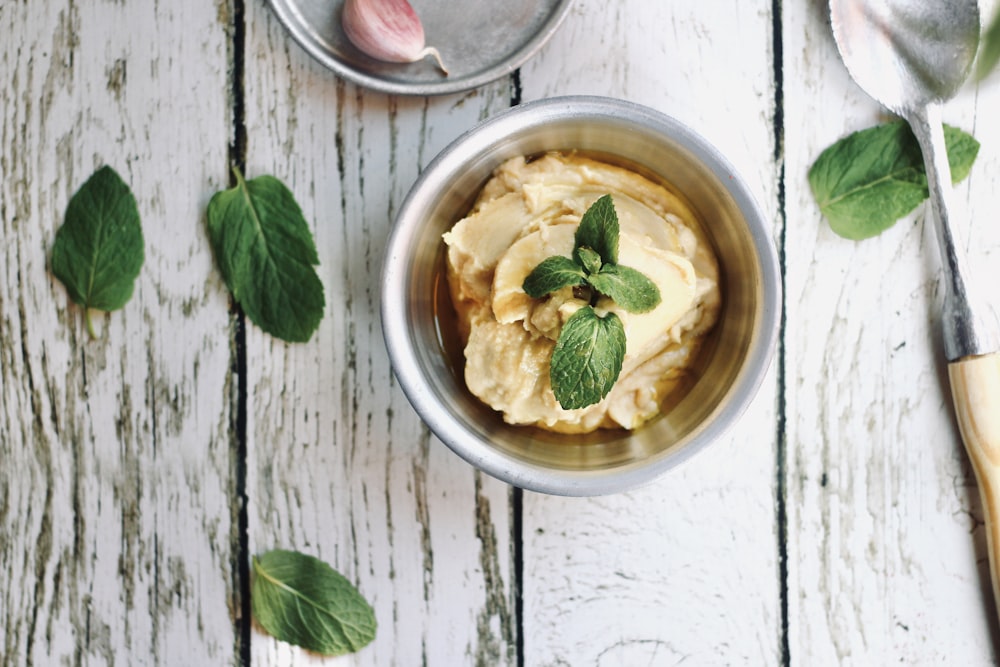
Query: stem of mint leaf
pixel 90 324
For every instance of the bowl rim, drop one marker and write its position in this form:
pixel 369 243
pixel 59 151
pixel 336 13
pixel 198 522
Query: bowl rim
pixel 479 452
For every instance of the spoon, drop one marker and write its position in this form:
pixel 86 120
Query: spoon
pixel 913 55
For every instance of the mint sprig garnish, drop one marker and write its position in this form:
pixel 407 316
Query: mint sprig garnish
pixel 590 350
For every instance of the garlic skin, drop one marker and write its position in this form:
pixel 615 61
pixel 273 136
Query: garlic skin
pixel 387 30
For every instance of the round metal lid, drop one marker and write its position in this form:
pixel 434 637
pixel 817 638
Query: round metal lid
pixel 479 40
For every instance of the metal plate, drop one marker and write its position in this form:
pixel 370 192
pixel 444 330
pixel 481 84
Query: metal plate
pixel 479 40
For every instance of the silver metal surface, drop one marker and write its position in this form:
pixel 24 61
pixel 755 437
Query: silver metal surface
pixel 735 357
pixel 912 55
pixel 480 41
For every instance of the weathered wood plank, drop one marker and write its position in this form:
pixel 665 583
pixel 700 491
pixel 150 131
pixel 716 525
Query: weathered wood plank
pixel 686 568
pixel 339 465
pixel 115 482
pixel 886 551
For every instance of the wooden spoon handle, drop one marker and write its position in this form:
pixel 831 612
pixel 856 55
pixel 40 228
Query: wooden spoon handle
pixel 975 388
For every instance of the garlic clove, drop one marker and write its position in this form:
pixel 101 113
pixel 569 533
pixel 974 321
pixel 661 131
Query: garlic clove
pixel 387 30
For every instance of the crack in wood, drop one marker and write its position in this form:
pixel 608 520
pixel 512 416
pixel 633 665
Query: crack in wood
pixel 493 643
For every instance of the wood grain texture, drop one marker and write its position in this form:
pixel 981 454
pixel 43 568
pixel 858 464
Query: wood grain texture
pixel 115 483
pixel 656 576
pixel 838 523
pixel 339 464
pixel 886 552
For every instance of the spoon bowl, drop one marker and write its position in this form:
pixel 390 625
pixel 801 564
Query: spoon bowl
pixel 907 53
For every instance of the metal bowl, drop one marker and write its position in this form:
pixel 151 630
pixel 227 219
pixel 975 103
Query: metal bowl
pixel 423 347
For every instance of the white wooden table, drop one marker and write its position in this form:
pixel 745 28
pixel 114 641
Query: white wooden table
pixel 839 523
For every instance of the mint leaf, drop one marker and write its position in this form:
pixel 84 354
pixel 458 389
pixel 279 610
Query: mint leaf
pixel 587 358
pixel 868 180
pixel 598 230
pixel 266 254
pixel 301 600
pixel 588 259
pixel 627 287
pixel 989 49
pixel 99 250
pixel 552 274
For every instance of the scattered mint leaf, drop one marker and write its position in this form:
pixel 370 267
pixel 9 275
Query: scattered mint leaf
pixel 266 254
pixel 587 358
pixel 598 230
pixel 868 180
pixel 301 600
pixel 552 274
pixel 989 49
pixel 627 287
pixel 99 250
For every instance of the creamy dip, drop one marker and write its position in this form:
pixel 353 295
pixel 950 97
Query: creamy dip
pixel 529 211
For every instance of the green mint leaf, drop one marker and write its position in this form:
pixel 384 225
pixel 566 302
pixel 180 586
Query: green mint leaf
pixel 598 230
pixel 552 274
pixel 587 358
pixel 989 49
pixel 266 254
pixel 99 250
pixel 589 259
pixel 868 180
pixel 301 600
pixel 627 287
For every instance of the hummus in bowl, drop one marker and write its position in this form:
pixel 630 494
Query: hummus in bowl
pixel 530 210
pixel 729 244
